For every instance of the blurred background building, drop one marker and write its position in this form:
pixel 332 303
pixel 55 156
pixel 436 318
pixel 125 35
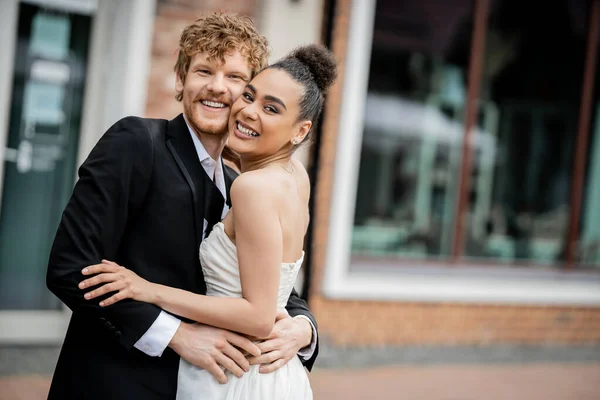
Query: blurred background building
pixel 69 69
pixel 458 175
pixel 456 171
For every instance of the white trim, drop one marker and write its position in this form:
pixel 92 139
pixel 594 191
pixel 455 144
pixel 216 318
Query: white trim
pixel 8 39
pixel 371 282
pixel 449 284
pixel 87 7
pixel 33 327
pixel 343 194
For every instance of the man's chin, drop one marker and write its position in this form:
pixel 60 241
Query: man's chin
pixel 218 129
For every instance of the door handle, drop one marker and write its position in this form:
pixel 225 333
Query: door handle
pixel 22 156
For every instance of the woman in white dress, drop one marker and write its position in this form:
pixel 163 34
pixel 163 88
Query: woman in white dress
pixel 251 259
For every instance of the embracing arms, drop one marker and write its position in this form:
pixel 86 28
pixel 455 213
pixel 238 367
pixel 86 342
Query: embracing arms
pixel 259 244
pixel 112 181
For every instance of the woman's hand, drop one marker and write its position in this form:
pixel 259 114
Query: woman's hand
pixel 115 278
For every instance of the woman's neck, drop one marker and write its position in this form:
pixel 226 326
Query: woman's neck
pixel 252 165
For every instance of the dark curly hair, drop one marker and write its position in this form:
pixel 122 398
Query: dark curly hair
pixel 314 67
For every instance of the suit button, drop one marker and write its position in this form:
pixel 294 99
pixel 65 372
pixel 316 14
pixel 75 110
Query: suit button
pixel 107 325
pixel 112 328
pixel 118 334
pixel 102 319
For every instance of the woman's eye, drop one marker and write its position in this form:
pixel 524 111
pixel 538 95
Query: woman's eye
pixel 247 96
pixel 271 109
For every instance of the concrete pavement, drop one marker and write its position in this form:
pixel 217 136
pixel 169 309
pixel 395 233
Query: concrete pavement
pixel 547 381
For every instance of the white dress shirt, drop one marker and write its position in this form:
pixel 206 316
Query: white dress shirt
pixel 159 335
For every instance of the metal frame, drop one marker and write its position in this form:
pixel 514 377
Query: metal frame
pixel 475 70
pixel 585 114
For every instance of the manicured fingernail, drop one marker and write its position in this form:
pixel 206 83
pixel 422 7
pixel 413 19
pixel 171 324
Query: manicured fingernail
pixel 101 304
pixel 85 270
pixel 87 296
pixel 81 285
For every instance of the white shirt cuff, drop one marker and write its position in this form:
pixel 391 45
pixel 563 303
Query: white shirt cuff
pixel 159 335
pixel 306 352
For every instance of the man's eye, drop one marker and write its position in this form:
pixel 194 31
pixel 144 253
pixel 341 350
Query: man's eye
pixel 203 71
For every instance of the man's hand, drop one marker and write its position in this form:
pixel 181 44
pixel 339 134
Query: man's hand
pixel 289 335
pixel 212 348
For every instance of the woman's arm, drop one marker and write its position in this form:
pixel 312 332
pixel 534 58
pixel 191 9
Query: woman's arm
pixel 260 250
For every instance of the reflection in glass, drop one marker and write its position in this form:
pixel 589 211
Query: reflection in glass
pixel 533 68
pixel 589 241
pixel 47 100
pixel 413 131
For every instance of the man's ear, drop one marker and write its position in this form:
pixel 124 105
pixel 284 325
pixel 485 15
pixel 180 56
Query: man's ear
pixel 178 83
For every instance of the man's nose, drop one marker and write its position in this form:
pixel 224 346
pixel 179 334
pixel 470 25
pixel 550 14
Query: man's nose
pixel 217 84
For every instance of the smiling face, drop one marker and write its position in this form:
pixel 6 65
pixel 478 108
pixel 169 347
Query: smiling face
pixel 264 119
pixel 209 89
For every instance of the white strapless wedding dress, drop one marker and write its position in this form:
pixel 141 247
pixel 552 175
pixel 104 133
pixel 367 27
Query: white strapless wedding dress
pixel 218 257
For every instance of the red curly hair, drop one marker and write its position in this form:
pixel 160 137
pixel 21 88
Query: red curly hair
pixel 217 35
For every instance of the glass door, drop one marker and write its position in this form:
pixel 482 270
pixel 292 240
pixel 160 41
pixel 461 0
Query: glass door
pixel 48 81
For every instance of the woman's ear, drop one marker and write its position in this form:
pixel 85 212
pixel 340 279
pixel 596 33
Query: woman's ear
pixel 303 130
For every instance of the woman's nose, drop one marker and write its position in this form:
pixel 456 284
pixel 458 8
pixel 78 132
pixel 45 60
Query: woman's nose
pixel 249 111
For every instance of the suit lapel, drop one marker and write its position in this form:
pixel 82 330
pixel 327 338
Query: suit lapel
pixel 230 175
pixel 181 146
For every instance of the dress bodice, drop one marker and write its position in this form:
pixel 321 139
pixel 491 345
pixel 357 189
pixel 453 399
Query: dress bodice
pixel 218 257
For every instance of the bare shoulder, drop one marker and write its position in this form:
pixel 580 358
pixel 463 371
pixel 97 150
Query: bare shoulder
pixel 251 186
pixel 301 173
pixel 270 185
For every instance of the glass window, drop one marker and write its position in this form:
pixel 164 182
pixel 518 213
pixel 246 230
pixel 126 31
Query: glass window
pixel 413 129
pixel 528 109
pixel 589 240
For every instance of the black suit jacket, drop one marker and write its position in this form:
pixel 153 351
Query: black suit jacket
pixel 139 201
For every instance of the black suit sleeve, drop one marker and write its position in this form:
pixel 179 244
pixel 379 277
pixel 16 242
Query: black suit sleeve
pixel 112 185
pixel 297 306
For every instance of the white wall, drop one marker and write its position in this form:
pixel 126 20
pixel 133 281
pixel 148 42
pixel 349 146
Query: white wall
pixel 119 64
pixel 288 24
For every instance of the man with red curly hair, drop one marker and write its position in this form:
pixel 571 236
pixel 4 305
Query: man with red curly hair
pixel 147 195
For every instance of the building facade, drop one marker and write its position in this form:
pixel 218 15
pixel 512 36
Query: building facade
pixel 69 69
pixel 456 171
pixel 457 184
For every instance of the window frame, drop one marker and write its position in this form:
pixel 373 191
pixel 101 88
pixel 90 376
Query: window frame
pixel 434 281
